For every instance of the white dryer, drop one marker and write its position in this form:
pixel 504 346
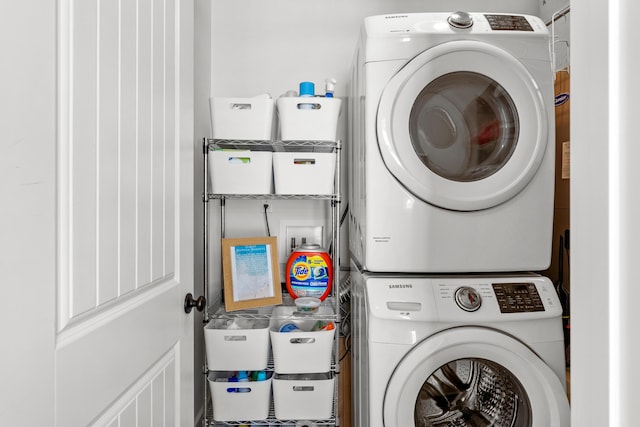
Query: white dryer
pixel 451 144
pixel 448 351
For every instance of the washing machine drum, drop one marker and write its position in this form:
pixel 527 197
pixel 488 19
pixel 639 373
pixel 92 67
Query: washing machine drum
pixel 472 392
pixel 463 126
pixel 477 377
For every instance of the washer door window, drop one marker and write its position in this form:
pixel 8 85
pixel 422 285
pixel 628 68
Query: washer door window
pixel 474 377
pixel 472 392
pixel 463 126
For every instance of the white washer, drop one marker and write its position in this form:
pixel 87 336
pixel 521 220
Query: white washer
pixel 451 144
pixel 445 351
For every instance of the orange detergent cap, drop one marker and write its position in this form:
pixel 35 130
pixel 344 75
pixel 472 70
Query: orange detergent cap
pixel 329 326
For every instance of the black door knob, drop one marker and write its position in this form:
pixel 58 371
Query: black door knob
pixel 189 303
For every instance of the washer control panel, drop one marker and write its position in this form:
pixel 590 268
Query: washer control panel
pixel 495 298
pixel 517 297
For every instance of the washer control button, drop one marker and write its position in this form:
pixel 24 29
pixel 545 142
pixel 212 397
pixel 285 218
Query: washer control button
pixel 468 298
pixel 460 20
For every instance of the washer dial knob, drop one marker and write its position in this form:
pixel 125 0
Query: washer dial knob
pixel 460 20
pixel 468 298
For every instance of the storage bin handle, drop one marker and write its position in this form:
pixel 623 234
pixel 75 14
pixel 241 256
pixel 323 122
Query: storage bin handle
pixel 308 106
pixel 310 340
pixel 304 161
pixel 239 160
pixel 303 388
pixel 238 389
pixel 235 337
pixel 240 106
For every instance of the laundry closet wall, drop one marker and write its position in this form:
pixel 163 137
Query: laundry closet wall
pixel 269 46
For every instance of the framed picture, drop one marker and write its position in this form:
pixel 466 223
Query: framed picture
pixel 251 272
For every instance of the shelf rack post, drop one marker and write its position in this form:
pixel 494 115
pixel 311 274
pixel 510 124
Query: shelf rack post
pixel 205 279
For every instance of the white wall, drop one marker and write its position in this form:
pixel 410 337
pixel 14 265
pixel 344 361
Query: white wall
pixel 590 185
pixel 271 45
pixel 27 212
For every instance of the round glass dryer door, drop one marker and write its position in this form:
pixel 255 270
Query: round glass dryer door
pixel 463 126
pixel 475 377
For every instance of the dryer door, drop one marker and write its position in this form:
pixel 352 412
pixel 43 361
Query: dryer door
pixel 473 376
pixel 463 126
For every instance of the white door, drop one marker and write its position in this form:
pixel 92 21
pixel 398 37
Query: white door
pixel 463 126
pixel 474 376
pixel 101 229
pixel 124 344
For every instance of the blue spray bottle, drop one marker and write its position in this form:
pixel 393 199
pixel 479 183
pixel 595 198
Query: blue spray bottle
pixel 329 87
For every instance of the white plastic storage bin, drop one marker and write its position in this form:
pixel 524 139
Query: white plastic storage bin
pixel 242 118
pixel 301 350
pixel 303 397
pixel 241 172
pixel 308 118
pixel 304 173
pixel 239 401
pixel 238 344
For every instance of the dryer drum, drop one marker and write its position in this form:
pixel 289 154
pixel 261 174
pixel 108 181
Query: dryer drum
pixel 464 126
pixel 472 393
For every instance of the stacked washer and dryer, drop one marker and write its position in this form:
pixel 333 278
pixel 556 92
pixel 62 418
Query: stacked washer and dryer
pixel 451 205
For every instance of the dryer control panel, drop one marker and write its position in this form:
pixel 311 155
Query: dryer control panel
pixel 508 23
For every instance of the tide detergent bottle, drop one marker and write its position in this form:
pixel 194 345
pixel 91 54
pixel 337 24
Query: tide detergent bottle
pixel 309 272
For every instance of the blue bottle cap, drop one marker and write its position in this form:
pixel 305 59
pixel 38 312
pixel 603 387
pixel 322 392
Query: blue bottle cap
pixel 289 327
pixel 242 376
pixel 307 89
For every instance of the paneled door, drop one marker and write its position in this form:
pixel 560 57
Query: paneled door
pixel 124 345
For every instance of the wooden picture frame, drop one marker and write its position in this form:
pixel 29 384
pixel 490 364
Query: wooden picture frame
pixel 251 272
